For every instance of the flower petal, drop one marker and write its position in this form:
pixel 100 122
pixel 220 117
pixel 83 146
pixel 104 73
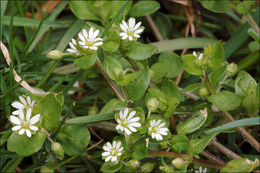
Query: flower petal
pixel 123 27
pixel 85 33
pixel 95 34
pixel 23 100
pixel 28 100
pixel 132 129
pixel 137 26
pixel 134 119
pixel 128 132
pixel 81 37
pixel 21 132
pixel 98 43
pixel 131 115
pixel 135 124
pixel 15 128
pixel 28 114
pixel 118 145
pixel 35 119
pixel 131 23
pixel 18 105
pixel 34 128
pixel 28 133
pixel 15 120
pixel 126 112
pixel 108 158
pixel 15 112
pixel 105 153
pixel 139 31
pixel 73 41
pixel 90 33
pixel 21 115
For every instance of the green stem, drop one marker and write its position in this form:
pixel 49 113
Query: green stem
pixel 208 83
pixel 185 157
pixel 47 75
pixel 64 118
pixel 252 22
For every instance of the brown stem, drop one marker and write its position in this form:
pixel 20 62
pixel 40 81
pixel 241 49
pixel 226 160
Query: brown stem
pixel 224 149
pixel 212 157
pixel 154 28
pixel 186 157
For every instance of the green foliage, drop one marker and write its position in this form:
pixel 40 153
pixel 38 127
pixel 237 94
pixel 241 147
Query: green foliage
pixel 74 139
pixel 190 65
pixel 139 51
pixel 86 61
pixel 220 6
pixel 179 143
pixel 25 146
pixel 240 165
pixel 143 8
pixel 225 100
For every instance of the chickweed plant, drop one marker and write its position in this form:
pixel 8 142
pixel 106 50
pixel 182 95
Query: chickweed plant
pixel 129 86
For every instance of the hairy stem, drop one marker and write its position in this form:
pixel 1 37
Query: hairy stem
pixel 212 157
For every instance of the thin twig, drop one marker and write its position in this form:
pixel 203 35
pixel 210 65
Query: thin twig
pixel 212 157
pixel 154 28
pixel 252 22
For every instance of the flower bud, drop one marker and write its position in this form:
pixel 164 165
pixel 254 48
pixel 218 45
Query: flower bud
pixel 147 167
pixel 152 104
pixel 178 163
pixel 55 54
pixel 134 164
pixel 164 144
pixel 231 69
pixel 166 169
pixel 57 149
pixel 93 110
pixel 203 92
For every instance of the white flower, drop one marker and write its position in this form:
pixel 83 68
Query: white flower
pixel 157 129
pixel 131 30
pixel 25 124
pixel 112 152
pixel 25 102
pixel 76 85
pixel 89 40
pixel 201 170
pixel 199 56
pixel 127 122
pixel 73 48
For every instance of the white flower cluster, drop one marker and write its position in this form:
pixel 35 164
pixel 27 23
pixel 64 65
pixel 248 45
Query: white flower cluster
pixel 24 124
pixel 89 40
pixel 127 122
pixel 112 151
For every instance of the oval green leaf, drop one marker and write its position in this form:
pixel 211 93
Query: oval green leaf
pixel 143 8
pixel 190 65
pixel 139 51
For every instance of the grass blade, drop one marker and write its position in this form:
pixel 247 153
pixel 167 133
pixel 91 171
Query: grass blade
pixel 235 124
pixel 91 119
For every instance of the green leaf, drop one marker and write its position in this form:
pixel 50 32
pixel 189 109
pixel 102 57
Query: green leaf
pixel 156 93
pixel 242 81
pixel 25 146
pixel 91 119
pixel 143 8
pixel 139 51
pixel 181 43
pixel 170 89
pixel 192 124
pixel 113 67
pixel 244 7
pixel 240 165
pixel 214 52
pixel 137 88
pixel 225 100
pixel 163 23
pixel 198 145
pixel 106 167
pixel 172 103
pixel 251 102
pixel 191 87
pixel 86 61
pixel 173 61
pixel 74 139
pixel 190 65
pixel 111 45
pixel 50 109
pixel 235 124
pixel 12 165
pixel 254 34
pixel 179 143
pixel 220 6
pixel 140 150
pixel 112 105
pixel 217 75
pixel 83 10
pixel 22 21
pixel 159 70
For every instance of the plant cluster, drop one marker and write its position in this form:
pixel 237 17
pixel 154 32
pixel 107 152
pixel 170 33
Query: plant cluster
pixel 148 121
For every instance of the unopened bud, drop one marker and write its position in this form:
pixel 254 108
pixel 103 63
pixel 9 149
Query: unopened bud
pixel 178 163
pixel 134 164
pixel 203 92
pixel 55 54
pixel 57 149
pixel 164 144
pixel 166 169
pixel 147 167
pixel 152 104
pixel 93 110
pixel 231 69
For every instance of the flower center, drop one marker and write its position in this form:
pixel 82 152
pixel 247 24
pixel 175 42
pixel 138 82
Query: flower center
pixel 124 123
pixel 114 152
pixel 89 43
pixel 154 129
pixel 26 125
pixel 130 33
